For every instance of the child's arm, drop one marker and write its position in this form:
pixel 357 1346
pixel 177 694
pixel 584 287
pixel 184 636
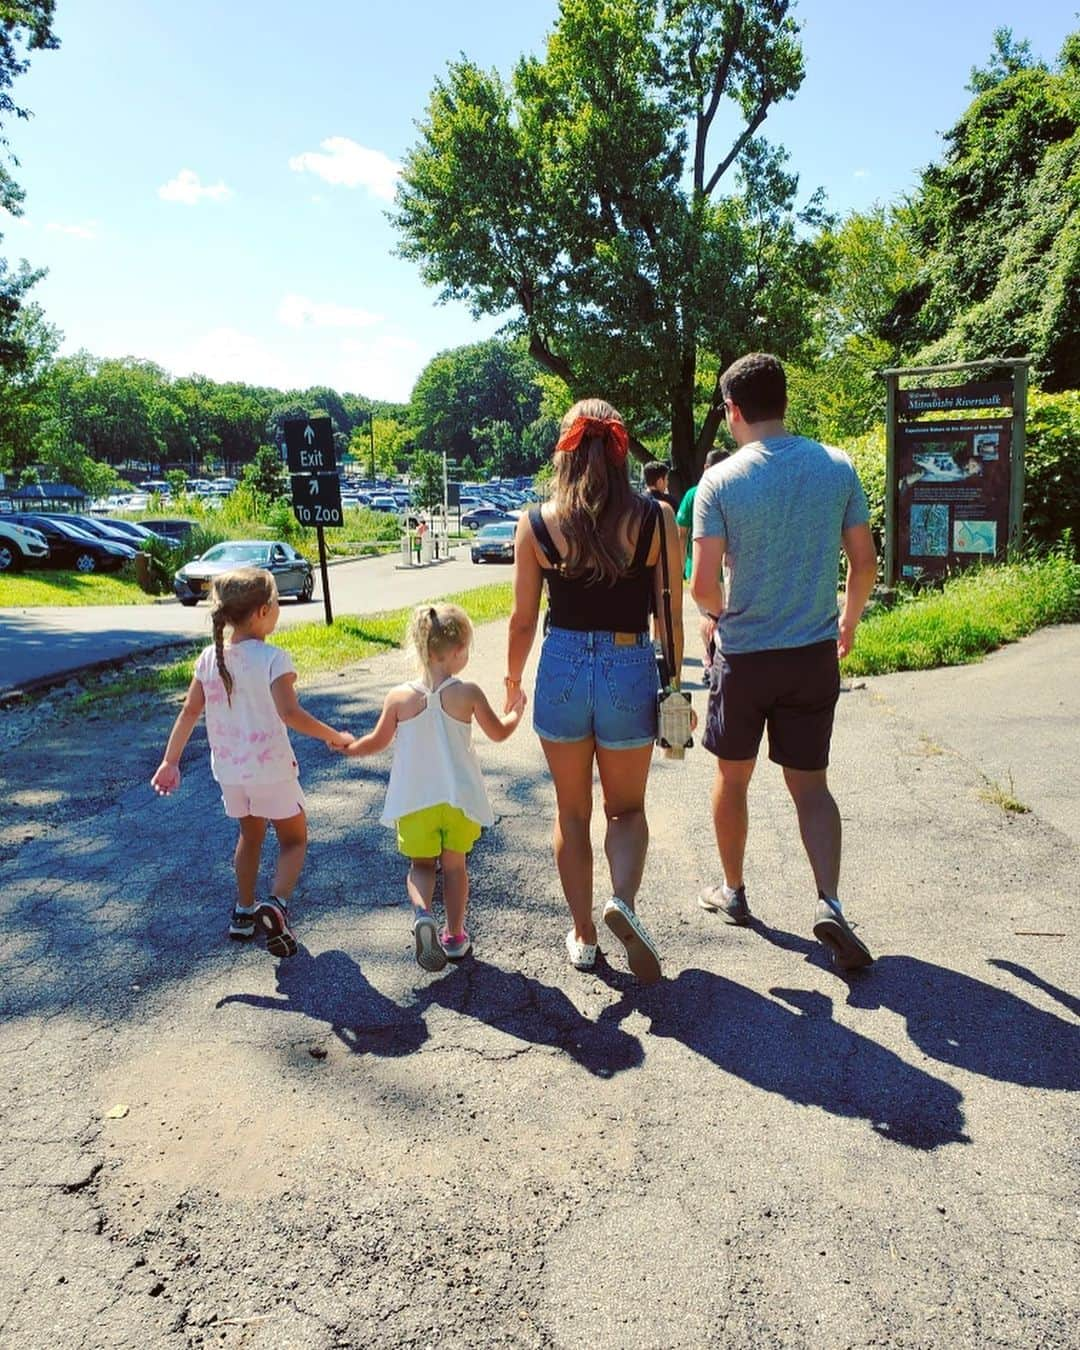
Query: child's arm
pixel 167 777
pixel 494 727
pixel 294 717
pixel 382 733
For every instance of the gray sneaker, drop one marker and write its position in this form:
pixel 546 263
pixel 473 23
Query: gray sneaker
pixel 429 952
pixel 715 900
pixel 832 931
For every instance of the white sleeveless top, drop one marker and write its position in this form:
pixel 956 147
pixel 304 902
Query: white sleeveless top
pixel 435 764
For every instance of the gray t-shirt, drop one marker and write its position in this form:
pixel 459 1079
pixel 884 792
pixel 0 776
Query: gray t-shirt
pixel 780 505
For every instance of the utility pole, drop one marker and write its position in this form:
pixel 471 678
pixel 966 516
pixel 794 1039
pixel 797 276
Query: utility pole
pixel 371 437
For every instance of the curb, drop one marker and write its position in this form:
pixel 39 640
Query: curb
pixel 13 695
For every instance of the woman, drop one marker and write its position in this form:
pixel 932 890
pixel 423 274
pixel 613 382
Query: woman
pixel 597 545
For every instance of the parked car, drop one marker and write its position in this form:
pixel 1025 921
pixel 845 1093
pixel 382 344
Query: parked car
pixel 71 547
pixel 134 531
pixel 176 531
pixel 484 515
pixel 20 545
pixel 383 501
pixel 99 527
pixel 292 572
pixel 494 543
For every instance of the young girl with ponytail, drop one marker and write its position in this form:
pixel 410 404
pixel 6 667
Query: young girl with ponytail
pixel 248 690
pixel 436 798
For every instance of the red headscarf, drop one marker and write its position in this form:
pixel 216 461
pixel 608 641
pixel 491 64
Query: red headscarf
pixel 616 441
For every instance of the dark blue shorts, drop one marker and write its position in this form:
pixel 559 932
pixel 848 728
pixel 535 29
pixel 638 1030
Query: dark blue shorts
pixel 791 690
pixel 595 684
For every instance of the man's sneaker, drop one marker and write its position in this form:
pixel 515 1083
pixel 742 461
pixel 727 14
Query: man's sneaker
pixel 242 923
pixel 429 952
pixel 455 945
pixel 832 931
pixel 720 900
pixel 273 918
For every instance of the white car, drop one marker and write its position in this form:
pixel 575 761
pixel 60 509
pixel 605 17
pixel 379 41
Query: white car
pixel 19 545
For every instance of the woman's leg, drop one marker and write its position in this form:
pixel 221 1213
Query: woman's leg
pixel 246 858
pixel 623 775
pixel 455 882
pixel 292 848
pixel 571 765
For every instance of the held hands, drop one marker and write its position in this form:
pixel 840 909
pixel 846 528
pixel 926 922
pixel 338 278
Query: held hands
pixel 340 740
pixel 166 778
pixel 515 701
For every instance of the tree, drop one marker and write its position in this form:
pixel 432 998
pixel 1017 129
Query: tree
pixel 426 472
pixel 583 200
pixel 462 392
pixel 25 27
pixel 265 474
pixel 997 225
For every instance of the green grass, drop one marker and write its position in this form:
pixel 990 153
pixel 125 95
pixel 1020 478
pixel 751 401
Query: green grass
pixel 69 588
pixel 971 615
pixel 314 647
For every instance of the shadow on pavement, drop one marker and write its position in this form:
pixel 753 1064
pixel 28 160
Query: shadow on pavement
pixel 531 1011
pixel 332 988
pixel 962 1021
pixel 799 1052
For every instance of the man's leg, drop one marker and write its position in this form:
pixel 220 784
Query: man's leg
pixel 819 824
pixel 731 817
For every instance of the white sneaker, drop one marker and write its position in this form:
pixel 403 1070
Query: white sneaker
pixel 641 954
pixel 582 954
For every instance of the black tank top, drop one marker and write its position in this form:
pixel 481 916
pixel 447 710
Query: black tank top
pixel 594 606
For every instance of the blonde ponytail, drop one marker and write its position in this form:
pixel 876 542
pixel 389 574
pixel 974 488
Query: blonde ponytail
pixel 235 596
pixel 435 630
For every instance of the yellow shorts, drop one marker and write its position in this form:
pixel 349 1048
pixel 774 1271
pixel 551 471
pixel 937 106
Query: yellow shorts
pixel 424 834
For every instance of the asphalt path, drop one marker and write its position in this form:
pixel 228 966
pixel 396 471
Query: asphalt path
pixel 42 641
pixel 205 1146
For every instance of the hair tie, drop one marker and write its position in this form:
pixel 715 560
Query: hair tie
pixel 610 429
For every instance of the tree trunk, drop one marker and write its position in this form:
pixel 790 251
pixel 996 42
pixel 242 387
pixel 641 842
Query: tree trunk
pixel 685 461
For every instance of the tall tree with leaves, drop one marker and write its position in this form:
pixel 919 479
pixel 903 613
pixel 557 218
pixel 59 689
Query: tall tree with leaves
pixel 584 199
pixel 25 27
pixel 997 223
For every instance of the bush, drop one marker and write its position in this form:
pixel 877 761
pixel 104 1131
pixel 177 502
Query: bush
pixel 166 558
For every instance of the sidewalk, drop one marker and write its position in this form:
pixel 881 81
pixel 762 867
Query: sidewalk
pixel 753 1153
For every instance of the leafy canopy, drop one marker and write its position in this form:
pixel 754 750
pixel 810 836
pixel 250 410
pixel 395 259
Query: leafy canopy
pixel 582 200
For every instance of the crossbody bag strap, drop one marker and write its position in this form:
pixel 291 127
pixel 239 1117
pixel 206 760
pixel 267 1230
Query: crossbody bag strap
pixel 672 679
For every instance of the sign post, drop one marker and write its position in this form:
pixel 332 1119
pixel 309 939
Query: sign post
pixel 954 485
pixel 316 488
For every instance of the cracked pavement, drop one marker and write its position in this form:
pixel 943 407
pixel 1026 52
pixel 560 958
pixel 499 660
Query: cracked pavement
pixel 753 1152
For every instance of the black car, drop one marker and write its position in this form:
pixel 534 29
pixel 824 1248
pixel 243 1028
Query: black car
pixel 494 543
pixel 71 547
pixel 99 528
pixel 291 571
pixel 176 530
pixel 484 515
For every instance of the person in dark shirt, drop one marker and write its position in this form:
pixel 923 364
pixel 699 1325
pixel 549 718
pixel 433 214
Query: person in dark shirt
pixel 656 483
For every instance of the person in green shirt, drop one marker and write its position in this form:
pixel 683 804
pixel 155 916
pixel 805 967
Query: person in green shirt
pixel 684 517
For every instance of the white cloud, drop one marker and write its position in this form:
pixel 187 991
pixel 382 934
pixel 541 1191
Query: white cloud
pixel 297 310
pixel 227 354
pixel 186 187
pixel 87 231
pixel 348 164
pixel 861 173
pixel 384 367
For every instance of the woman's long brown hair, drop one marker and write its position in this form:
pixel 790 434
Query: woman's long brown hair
pixel 594 502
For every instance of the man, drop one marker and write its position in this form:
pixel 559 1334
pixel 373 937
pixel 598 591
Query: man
pixel 656 483
pixel 773 519
pixel 684 518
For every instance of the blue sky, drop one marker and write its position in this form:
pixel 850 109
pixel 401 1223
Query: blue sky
pixel 207 183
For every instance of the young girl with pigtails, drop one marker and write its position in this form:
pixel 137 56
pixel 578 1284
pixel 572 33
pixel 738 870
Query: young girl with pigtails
pixel 436 798
pixel 248 690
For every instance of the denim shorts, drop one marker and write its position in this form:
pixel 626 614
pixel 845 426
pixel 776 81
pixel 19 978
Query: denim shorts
pixel 596 684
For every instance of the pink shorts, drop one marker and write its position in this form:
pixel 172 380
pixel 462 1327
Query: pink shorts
pixel 272 801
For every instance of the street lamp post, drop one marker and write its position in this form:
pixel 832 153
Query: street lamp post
pixel 371 437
